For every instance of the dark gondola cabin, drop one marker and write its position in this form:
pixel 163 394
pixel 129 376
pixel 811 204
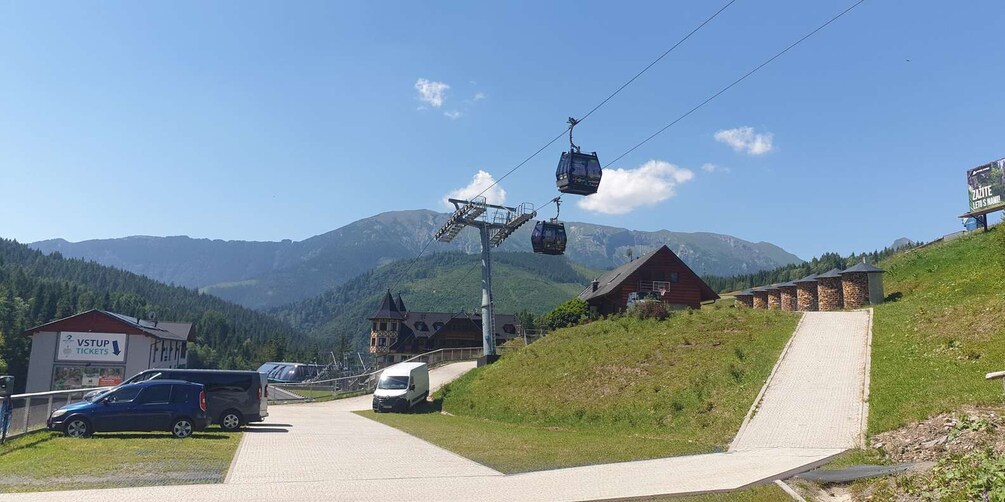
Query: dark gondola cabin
pixel 548 238
pixel 578 173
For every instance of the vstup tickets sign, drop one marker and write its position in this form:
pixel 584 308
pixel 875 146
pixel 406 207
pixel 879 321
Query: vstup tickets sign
pixel 103 347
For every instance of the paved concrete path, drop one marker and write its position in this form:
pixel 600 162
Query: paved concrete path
pixel 814 399
pixel 321 451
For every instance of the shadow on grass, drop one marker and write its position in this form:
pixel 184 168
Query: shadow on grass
pixel 43 438
pixel 427 407
pixel 197 435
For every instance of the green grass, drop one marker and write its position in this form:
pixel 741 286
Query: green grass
pixel 613 390
pixel 47 461
pixel 933 345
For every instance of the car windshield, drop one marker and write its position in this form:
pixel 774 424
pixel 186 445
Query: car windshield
pixel 393 382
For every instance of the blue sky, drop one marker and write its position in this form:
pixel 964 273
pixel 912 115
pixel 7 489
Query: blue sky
pixel 265 121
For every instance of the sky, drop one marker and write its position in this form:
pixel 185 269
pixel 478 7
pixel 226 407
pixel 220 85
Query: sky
pixel 283 120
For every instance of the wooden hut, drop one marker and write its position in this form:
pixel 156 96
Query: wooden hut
pixel 788 296
pixel 774 297
pixel 806 293
pixel 829 291
pixel 760 297
pixel 745 298
pixel 862 284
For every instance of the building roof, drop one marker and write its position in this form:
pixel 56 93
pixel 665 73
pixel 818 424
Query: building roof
pixel 400 304
pixel 759 289
pixel 181 331
pixel 830 274
pixel 808 278
pixel 863 267
pixel 610 280
pixel 746 292
pixel 388 309
pixel 411 326
pixel 772 287
pixel 790 284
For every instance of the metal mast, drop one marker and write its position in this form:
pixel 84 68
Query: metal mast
pixel 494 230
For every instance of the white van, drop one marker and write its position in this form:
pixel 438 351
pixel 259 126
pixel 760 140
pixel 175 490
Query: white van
pixel 401 386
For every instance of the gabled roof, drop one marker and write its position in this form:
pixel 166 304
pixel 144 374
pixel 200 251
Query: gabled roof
pixel 772 287
pixel 808 278
pixel 610 281
pixel 181 331
pixel 745 292
pixel 830 274
pixel 388 309
pixel 790 284
pixel 863 267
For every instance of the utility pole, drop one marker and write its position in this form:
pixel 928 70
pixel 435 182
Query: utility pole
pixel 493 231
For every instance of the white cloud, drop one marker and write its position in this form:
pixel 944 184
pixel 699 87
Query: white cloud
pixel 480 182
pixel 453 114
pixel 709 167
pixel 625 190
pixel 744 139
pixel 433 93
pixel 478 96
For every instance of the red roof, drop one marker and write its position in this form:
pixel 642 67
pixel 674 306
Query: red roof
pixel 102 321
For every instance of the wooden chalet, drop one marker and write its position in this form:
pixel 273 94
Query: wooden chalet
pixel 661 271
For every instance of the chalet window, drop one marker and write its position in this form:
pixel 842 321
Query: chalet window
pixel 184 350
pixel 383 326
pixel 373 341
pixel 381 341
pixel 421 326
pixel 374 326
pixel 437 326
pixel 662 286
pixel 674 278
pixel 509 329
pixel 394 326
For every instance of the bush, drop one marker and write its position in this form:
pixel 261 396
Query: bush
pixel 567 314
pixel 651 310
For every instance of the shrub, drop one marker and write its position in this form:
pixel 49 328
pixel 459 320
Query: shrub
pixel 651 310
pixel 567 314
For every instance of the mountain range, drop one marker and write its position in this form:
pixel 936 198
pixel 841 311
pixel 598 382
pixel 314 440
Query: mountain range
pixel 265 275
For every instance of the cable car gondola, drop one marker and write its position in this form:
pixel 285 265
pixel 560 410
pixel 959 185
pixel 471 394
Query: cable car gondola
pixel 578 173
pixel 549 237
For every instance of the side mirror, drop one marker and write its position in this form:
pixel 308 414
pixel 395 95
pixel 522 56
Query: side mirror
pixel 411 387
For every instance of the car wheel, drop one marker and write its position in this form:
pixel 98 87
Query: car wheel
pixel 182 428
pixel 77 428
pixel 230 421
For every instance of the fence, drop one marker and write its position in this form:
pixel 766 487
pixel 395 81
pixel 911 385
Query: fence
pixel 360 384
pixel 32 410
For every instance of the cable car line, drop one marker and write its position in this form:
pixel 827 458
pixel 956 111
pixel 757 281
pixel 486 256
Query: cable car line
pixel 613 94
pixel 589 113
pixel 737 81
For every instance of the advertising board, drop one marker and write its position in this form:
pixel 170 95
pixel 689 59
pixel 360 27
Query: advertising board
pixel 986 186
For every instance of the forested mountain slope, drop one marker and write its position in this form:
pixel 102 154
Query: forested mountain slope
pixel 36 288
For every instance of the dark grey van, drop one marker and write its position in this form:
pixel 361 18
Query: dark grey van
pixel 233 398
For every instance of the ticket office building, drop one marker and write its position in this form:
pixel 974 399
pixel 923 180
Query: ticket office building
pixel 99 348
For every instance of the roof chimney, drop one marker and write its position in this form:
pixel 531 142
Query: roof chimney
pixel 596 284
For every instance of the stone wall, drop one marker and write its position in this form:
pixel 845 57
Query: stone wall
pixel 806 296
pixel 774 299
pixel 788 298
pixel 760 299
pixel 829 295
pixel 745 301
pixel 855 287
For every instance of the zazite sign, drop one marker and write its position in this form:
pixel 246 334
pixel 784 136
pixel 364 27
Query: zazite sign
pixel 986 185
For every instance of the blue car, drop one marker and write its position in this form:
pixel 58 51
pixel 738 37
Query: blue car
pixel 156 405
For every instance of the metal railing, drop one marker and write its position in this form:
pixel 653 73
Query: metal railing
pixel 30 411
pixel 360 384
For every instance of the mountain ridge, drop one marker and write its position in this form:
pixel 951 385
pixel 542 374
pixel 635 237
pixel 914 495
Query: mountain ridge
pixel 267 274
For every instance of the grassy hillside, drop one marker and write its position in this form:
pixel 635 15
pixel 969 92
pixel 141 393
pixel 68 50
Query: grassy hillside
pixel 444 282
pixel 613 390
pixel 933 345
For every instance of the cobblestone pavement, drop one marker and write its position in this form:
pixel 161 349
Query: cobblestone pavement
pixel 322 451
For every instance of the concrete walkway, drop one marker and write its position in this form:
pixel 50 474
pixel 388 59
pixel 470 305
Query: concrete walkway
pixel 812 409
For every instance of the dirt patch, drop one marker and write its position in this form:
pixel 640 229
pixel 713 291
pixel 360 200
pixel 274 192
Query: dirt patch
pixel 946 434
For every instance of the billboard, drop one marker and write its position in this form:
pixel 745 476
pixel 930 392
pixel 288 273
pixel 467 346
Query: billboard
pixel 103 347
pixel 986 185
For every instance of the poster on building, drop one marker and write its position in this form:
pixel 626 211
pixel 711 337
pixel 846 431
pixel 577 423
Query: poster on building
pixel 99 347
pixel 986 185
pixel 79 377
